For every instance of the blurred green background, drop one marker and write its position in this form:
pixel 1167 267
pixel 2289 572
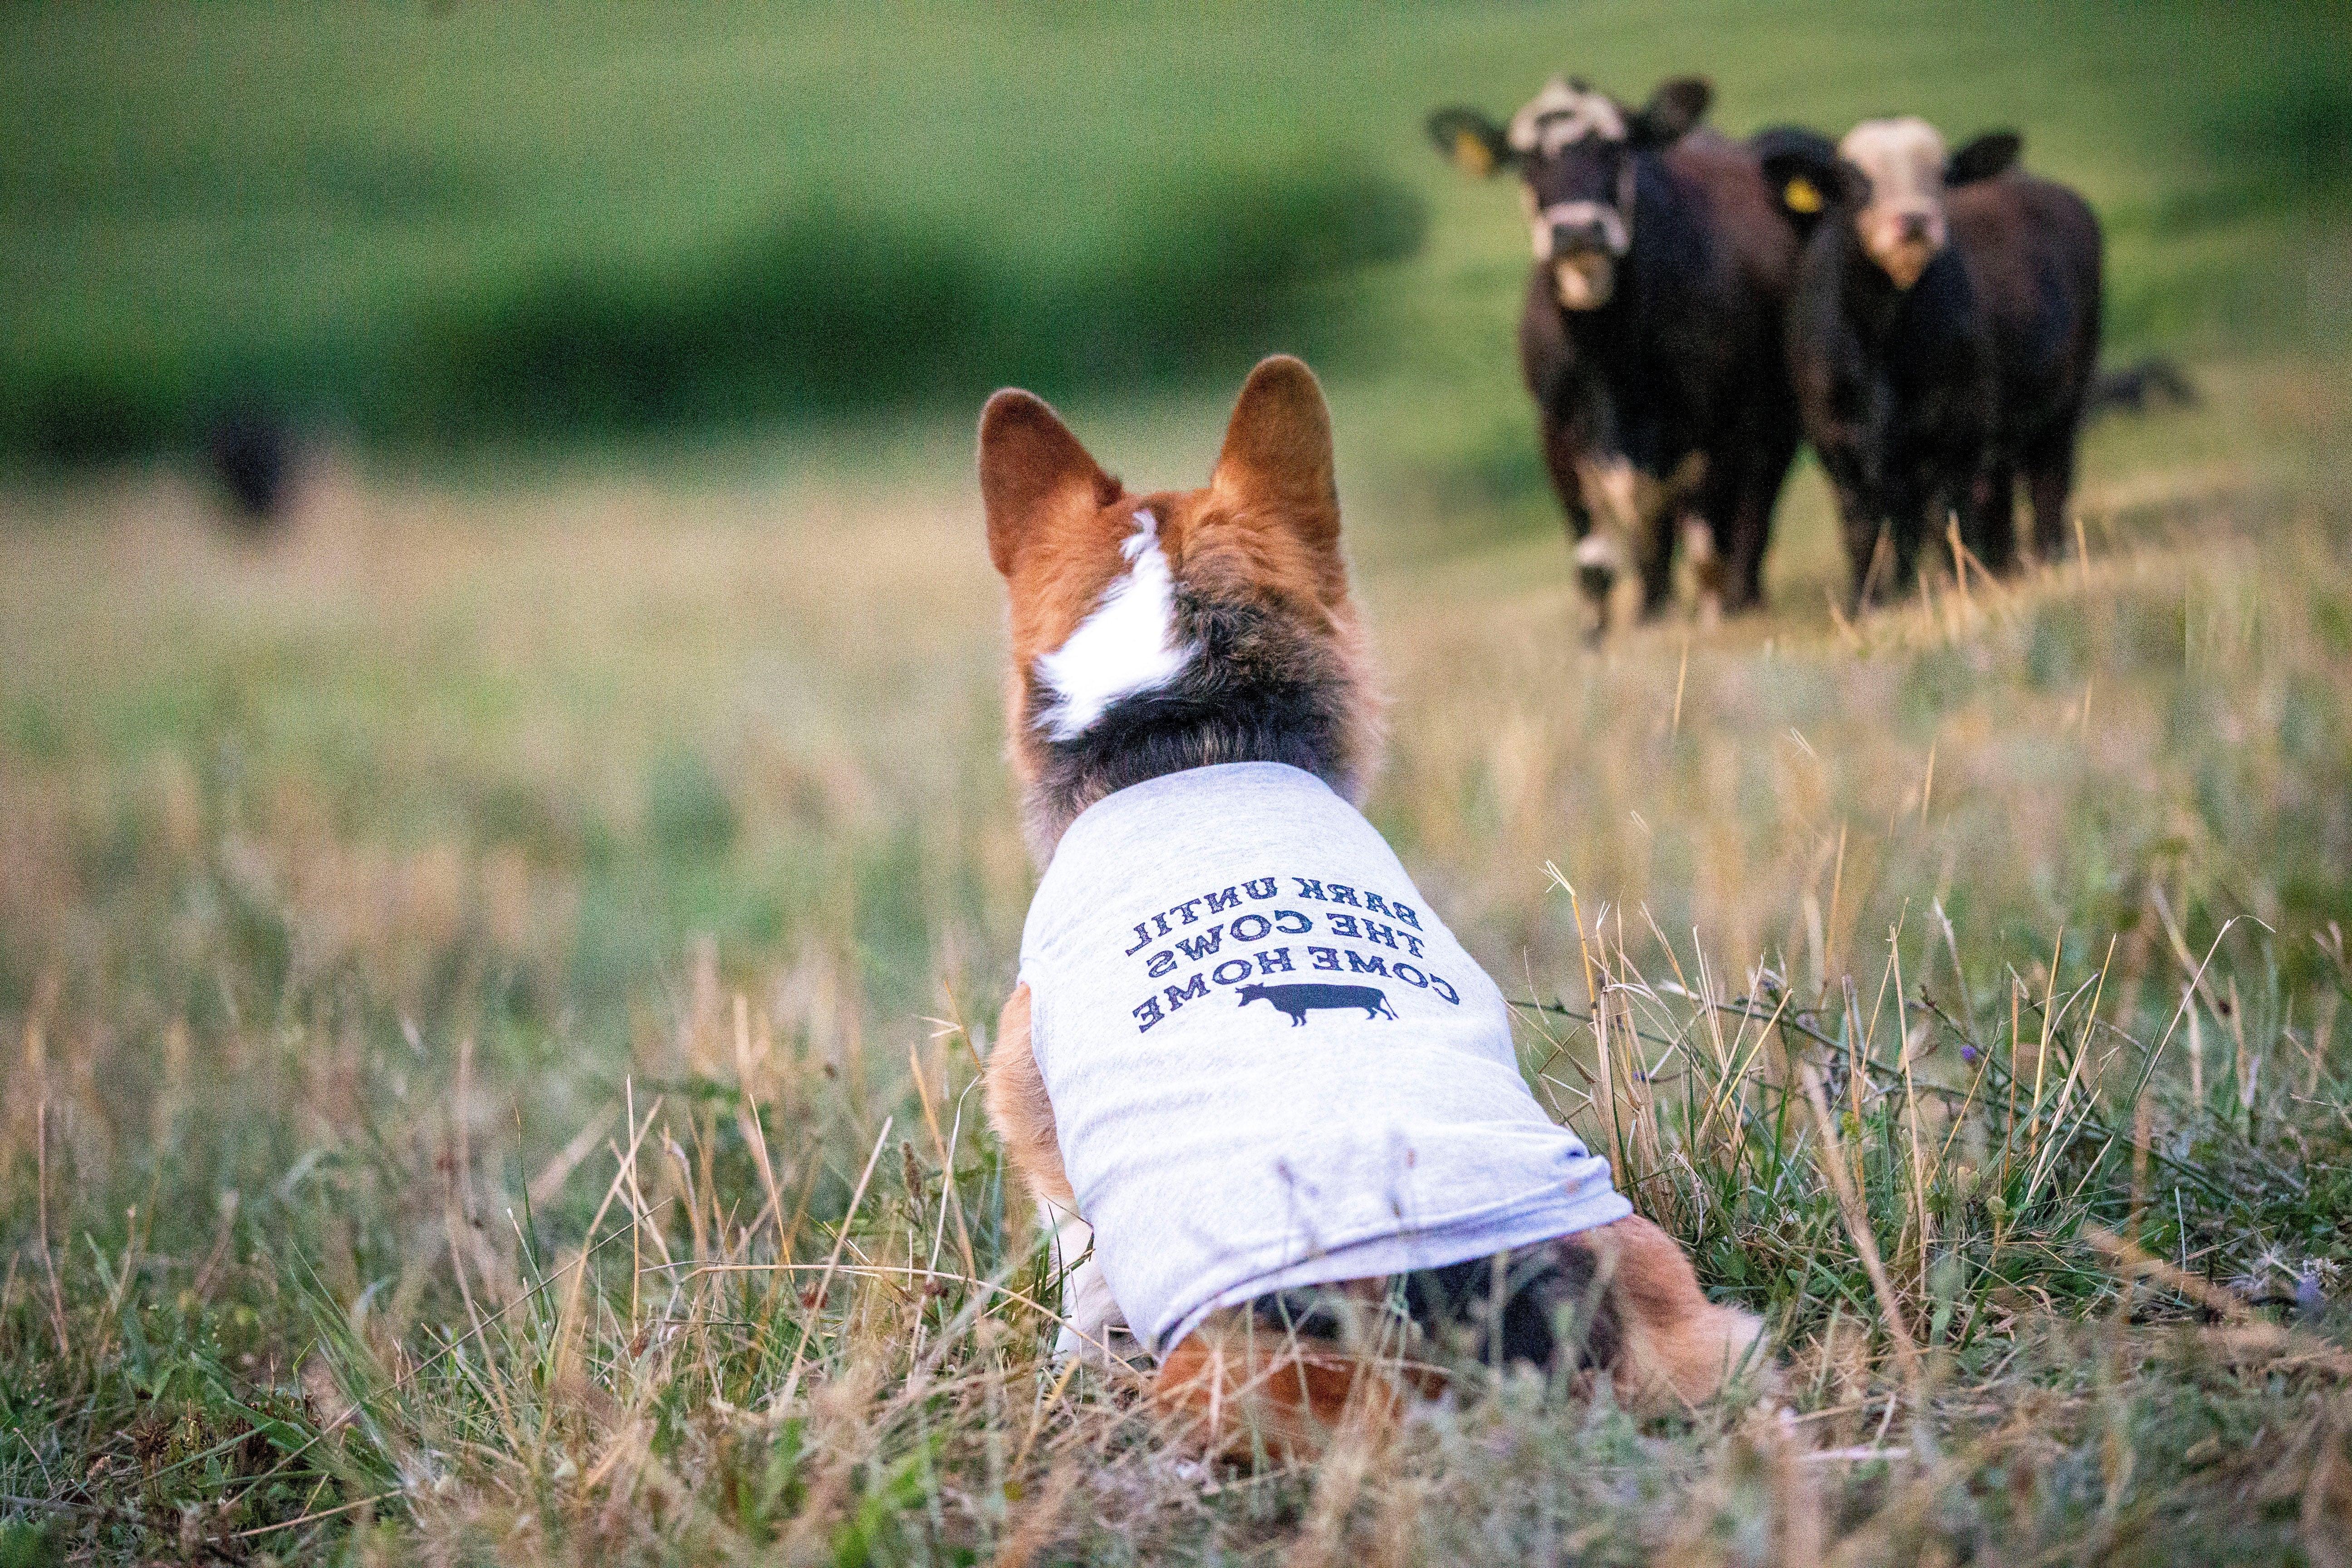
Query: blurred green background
pixel 437 224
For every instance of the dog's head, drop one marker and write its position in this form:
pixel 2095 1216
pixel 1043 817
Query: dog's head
pixel 1156 633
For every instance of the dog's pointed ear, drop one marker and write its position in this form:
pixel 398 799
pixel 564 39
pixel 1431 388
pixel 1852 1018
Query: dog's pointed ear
pixel 1276 461
pixel 1470 143
pixel 1673 111
pixel 1032 469
pixel 1989 154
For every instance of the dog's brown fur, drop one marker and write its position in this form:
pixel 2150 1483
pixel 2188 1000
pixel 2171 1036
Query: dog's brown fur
pixel 1258 548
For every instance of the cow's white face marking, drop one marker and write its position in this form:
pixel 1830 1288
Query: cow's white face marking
pixel 1607 224
pixel 1562 116
pixel 1128 643
pixel 1599 232
pixel 1901 227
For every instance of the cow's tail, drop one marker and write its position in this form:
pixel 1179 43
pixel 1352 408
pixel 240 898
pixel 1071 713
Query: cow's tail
pixel 2153 383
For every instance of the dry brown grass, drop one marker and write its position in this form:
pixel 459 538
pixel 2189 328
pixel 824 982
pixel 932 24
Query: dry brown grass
pixel 494 986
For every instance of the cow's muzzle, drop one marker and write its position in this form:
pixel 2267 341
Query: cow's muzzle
pixel 1582 241
pixel 1902 243
pixel 1585 280
pixel 1567 228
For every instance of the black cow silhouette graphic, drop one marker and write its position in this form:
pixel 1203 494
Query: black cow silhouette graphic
pixel 1299 1000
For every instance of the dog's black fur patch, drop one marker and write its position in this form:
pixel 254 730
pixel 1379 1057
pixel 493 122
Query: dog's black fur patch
pixel 1545 1289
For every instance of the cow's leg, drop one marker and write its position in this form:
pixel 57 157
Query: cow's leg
pixel 1596 571
pixel 1573 413
pixel 1656 522
pixel 1907 518
pixel 1746 533
pixel 1707 525
pixel 1859 521
pixel 1989 527
pixel 2049 479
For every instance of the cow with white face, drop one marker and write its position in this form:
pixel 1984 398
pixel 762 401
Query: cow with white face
pixel 1650 339
pixel 1942 338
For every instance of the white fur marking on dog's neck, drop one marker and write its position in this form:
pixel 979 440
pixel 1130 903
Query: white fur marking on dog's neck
pixel 1128 644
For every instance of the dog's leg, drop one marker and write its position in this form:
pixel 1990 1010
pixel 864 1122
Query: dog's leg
pixel 1243 1384
pixel 1242 1379
pixel 1092 1327
pixel 1022 1115
pixel 1019 1110
pixel 1674 1348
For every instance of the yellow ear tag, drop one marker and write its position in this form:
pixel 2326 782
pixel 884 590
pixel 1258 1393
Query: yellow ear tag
pixel 1472 153
pixel 1800 196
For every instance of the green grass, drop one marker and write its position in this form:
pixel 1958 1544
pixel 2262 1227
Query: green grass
pixel 436 949
pixel 363 895
pixel 416 224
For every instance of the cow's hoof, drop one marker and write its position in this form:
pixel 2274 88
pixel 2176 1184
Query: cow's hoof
pixel 1596 567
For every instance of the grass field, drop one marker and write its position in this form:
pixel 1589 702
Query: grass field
pixel 493 981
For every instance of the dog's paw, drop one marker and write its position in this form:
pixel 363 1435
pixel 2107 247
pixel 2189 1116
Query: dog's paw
pixel 1093 1329
pixel 1679 1348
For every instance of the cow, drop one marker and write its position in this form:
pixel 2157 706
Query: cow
pixel 1650 337
pixel 2152 383
pixel 250 453
pixel 1942 338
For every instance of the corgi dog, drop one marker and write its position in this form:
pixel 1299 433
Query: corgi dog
pixel 1275 1201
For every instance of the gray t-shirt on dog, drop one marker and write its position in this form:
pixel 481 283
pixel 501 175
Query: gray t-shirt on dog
pixel 1270 1065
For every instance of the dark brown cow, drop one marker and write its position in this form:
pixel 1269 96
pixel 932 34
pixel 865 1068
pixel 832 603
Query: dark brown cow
pixel 1942 338
pixel 1651 340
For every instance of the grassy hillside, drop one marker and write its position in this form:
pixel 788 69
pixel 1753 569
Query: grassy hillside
pixel 493 981
pixel 490 880
pixel 444 223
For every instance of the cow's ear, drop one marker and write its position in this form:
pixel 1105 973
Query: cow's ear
pixel 1276 460
pixel 1991 153
pixel 1800 169
pixel 1471 142
pixel 1673 111
pixel 1032 473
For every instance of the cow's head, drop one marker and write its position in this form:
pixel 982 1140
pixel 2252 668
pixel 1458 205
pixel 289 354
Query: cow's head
pixel 1887 179
pixel 1574 150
